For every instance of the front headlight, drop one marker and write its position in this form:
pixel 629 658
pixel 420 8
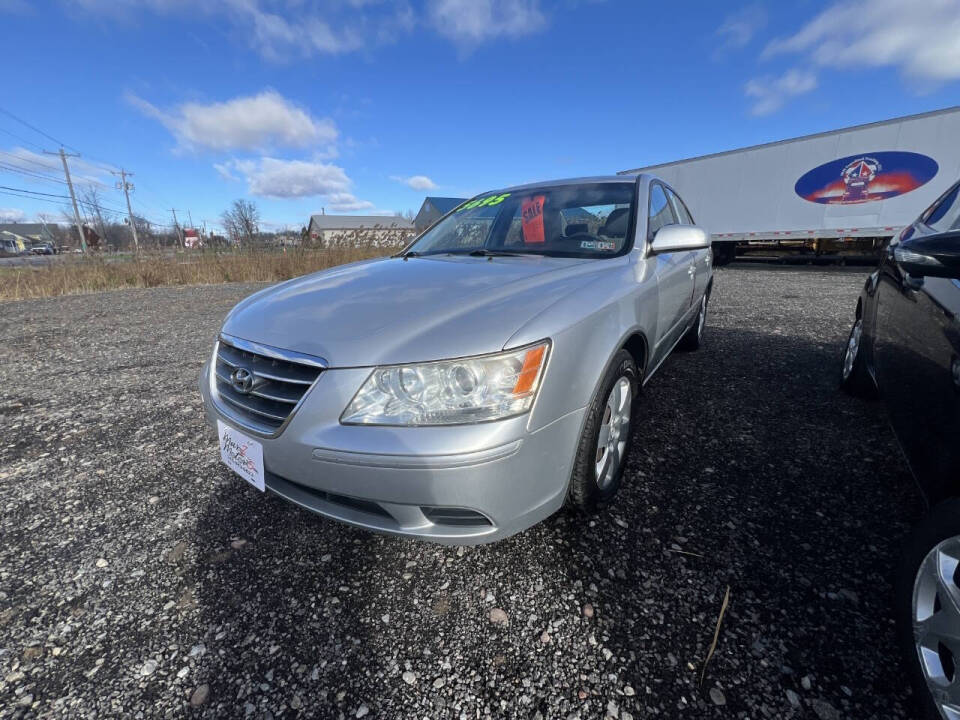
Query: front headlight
pixel 450 392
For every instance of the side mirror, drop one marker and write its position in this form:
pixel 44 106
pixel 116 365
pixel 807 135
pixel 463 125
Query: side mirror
pixel 676 238
pixel 930 256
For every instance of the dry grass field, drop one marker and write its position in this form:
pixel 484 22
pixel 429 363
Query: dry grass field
pixel 69 275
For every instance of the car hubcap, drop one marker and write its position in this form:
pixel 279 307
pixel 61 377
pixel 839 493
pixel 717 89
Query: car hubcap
pixel 702 320
pixel 853 347
pixel 614 433
pixel 936 625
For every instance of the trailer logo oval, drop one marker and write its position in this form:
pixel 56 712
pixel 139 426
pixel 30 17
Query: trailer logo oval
pixel 866 177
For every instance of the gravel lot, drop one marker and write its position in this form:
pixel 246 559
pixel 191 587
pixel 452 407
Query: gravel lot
pixel 138 578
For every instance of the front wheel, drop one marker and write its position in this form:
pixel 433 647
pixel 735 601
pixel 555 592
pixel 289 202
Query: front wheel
pixel 855 379
pixel 605 440
pixel 927 608
pixel 693 338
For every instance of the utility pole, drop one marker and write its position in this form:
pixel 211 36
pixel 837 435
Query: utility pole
pixel 190 218
pixel 176 226
pixel 127 187
pixel 73 198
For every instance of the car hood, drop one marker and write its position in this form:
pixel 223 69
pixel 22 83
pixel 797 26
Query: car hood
pixel 397 311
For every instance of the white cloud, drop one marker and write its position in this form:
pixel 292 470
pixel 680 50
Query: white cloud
pixel 277 37
pixel 417 182
pixel 346 202
pixel 918 38
pixel 12 215
pixel 256 122
pixel 471 22
pixel 281 31
pixel 271 177
pixel 770 93
pixel 739 28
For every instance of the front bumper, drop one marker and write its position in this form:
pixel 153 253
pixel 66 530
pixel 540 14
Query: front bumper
pixel 464 484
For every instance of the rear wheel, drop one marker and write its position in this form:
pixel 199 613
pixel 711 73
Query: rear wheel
pixel 927 607
pixel 854 377
pixel 605 440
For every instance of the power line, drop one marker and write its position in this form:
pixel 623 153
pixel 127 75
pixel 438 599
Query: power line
pixel 28 197
pixel 21 139
pixel 51 199
pixel 37 195
pixel 36 129
pixel 33 192
pixel 6 167
pixel 21 158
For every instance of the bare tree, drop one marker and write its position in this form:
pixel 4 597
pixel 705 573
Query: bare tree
pixel 242 221
pixel 90 199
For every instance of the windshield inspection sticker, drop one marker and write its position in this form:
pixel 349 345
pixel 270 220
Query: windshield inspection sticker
pixel 598 245
pixel 487 201
pixel 531 217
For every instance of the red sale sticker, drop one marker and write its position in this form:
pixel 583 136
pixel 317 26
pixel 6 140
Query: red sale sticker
pixel 531 214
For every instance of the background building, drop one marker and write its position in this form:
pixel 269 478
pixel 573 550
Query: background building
pixel 433 209
pixel 34 232
pixel 377 230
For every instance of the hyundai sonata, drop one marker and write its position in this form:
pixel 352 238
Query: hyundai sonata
pixel 476 382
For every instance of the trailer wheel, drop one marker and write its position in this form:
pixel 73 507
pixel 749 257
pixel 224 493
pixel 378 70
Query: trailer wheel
pixel 724 253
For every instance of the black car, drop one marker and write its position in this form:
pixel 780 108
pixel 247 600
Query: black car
pixel 905 348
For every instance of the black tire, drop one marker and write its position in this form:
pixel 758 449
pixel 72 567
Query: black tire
pixel 585 492
pixel 855 379
pixel 941 524
pixel 693 338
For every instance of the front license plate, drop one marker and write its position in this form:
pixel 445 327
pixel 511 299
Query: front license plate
pixel 241 454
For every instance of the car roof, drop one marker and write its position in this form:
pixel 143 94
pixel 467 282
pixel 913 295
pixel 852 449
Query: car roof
pixel 594 180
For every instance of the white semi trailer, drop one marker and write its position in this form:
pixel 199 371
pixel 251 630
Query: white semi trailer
pixel 839 194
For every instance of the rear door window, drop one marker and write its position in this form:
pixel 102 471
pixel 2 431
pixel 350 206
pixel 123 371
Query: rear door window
pixel 683 215
pixel 661 211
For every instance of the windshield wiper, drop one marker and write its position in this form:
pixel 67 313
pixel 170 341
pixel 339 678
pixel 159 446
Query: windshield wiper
pixel 409 254
pixel 483 252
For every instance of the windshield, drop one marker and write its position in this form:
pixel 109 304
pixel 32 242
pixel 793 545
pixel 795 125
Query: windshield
pixel 591 220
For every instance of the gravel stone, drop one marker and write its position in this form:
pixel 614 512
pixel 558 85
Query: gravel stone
pixel 824 710
pixel 409 678
pixel 748 455
pixel 200 695
pixel 499 617
pixel 717 696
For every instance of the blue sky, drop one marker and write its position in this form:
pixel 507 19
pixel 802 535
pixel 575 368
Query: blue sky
pixel 368 105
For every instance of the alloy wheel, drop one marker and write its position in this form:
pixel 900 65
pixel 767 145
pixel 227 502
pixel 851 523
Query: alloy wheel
pixel 853 347
pixel 614 433
pixel 702 320
pixel 936 625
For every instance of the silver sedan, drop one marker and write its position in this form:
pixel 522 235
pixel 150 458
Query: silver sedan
pixel 480 380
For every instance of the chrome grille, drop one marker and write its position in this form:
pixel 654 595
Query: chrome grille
pixel 278 381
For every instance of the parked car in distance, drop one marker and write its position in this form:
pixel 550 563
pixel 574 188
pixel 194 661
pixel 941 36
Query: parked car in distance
pixel 473 384
pixel 43 249
pixel 904 346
